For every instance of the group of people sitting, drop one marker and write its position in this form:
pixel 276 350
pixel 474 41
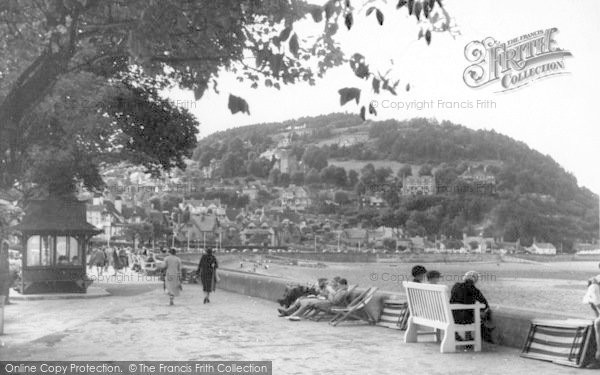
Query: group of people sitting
pixel 464 292
pixel 307 301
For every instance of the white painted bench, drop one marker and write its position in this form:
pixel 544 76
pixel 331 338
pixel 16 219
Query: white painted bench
pixel 430 306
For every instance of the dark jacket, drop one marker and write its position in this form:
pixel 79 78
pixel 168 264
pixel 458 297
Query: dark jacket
pixel 207 268
pixel 466 293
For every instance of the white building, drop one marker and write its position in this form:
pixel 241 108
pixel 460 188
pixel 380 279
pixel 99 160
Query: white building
pixel 542 248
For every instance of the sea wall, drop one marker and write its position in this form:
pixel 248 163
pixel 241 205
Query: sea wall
pixel 512 325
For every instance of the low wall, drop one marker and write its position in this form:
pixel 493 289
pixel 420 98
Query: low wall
pixel 512 325
pixel 388 258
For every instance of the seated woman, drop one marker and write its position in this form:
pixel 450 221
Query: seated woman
pixel 63 260
pixel 337 298
pixel 467 293
pixel 324 290
pixel 292 293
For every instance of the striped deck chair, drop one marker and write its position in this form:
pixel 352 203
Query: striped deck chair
pixel 566 342
pixel 394 314
pixel 356 309
pixel 318 314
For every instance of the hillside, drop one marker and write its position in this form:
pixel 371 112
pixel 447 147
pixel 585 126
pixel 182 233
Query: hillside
pixel 531 195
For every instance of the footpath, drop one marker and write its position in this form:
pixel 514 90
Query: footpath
pixel 141 326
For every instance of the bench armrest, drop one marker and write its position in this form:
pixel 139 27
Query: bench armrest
pixel 462 306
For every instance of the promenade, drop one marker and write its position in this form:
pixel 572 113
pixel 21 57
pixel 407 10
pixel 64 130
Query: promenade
pixel 136 323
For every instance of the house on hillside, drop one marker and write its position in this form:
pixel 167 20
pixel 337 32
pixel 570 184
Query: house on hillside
pixel 478 244
pixel 210 171
pixel 585 248
pixel 542 248
pixel 105 215
pixel 478 175
pixel 202 227
pixel 255 234
pixel 203 207
pixel 134 214
pixel 295 198
pixel 355 237
pixel 251 192
pixel 285 162
pixel 377 236
pixel 418 185
pixel 373 200
pixel 421 244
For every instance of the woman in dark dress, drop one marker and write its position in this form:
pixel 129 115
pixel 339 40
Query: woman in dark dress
pixel 116 261
pixel 467 293
pixel 208 273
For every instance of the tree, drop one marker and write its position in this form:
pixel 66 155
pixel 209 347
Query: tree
pixel 352 178
pixel 274 176
pixel 425 170
pixel 312 177
pixel 341 198
pixel 68 138
pixel 183 43
pixel 405 171
pixel 389 243
pixel 156 203
pixel 141 232
pixel 232 165
pixel 298 178
pixel 284 179
pixel 314 157
pixel 382 174
pixel 334 175
pixel 259 167
pixel 368 176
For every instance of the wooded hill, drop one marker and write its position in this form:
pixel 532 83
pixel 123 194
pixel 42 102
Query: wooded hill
pixel 534 197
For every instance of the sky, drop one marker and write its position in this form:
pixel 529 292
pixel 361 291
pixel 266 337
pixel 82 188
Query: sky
pixel 557 116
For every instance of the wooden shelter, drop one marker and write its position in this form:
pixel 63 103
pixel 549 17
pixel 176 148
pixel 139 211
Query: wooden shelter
pixel 55 236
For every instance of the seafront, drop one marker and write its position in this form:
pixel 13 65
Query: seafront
pixel 136 323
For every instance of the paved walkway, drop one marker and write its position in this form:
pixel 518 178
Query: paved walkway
pixel 141 326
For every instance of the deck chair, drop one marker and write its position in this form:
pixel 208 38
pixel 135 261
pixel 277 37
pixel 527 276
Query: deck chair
pixel 319 314
pixel 356 309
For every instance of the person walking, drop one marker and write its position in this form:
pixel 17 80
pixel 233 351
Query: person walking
pixel 116 261
pixel 98 260
pixel 123 258
pixel 172 269
pixel 207 268
pixel 106 259
pixel 5 279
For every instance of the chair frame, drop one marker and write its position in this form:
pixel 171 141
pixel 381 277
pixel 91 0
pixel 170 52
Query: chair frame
pixel 317 314
pixel 356 309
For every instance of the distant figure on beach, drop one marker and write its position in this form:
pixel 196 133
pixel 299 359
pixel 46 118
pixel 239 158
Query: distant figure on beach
pixel 207 268
pixel 592 297
pixel 172 268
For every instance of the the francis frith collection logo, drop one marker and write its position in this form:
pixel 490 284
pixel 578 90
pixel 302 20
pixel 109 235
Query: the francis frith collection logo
pixel 515 63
